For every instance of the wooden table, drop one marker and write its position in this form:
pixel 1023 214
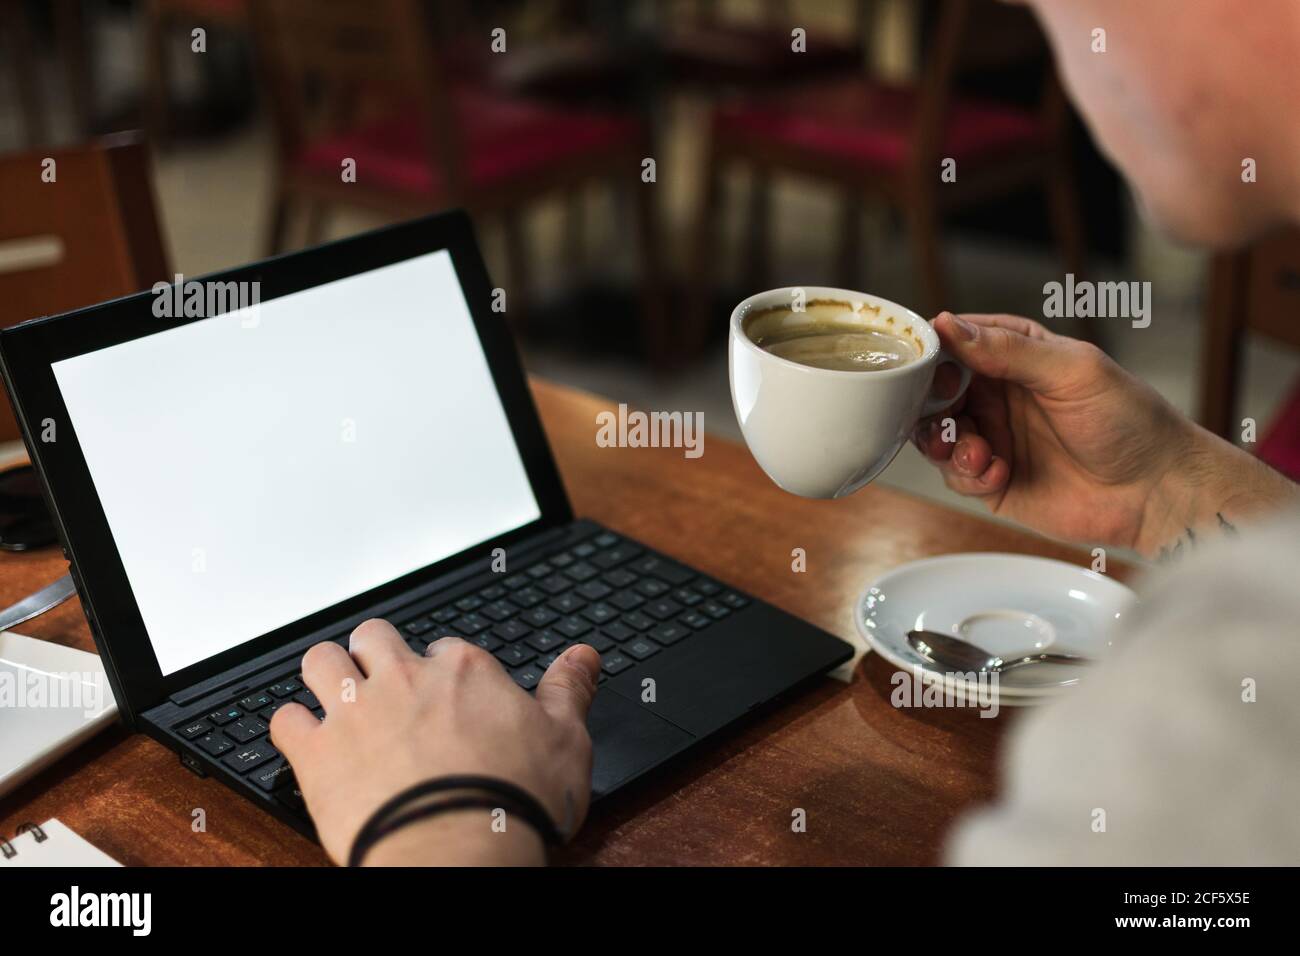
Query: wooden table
pixel 879 785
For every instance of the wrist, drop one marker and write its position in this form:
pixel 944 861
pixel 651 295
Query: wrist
pixel 469 837
pixel 1210 487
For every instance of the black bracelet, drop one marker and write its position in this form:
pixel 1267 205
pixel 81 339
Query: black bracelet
pixel 515 800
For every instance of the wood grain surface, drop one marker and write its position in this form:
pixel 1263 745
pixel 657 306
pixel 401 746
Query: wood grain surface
pixel 879 785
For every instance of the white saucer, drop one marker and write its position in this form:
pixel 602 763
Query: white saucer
pixel 1007 604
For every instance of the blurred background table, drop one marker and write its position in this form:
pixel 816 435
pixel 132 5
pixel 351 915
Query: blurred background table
pixel 879 785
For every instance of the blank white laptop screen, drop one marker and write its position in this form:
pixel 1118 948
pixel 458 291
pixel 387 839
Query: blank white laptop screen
pixel 261 465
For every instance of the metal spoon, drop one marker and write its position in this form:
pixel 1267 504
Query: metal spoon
pixel 962 655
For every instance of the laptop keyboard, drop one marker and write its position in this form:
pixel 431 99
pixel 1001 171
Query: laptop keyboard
pixel 628 603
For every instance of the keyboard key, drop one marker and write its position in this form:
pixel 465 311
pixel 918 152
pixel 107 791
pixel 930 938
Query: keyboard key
pixel 600 612
pixel 286 688
pixel 486 641
pixel 652 587
pixel 445 615
pixel 714 610
pixel 605 540
pixel 585 550
pixel 670 571
pixel 469 603
pixel 707 587
pixel 499 610
pixel 544 662
pixel 267 713
pixel 687 597
pixel 513 655
pixel 595 590
pixel 641 648
pixel 615 556
pixel 597 640
pixel 539 571
pixel 572 627
pixel 215 744
pixel 494 592
pixel 244 759
pixel 663 609
pixel 511 631
pixel 471 624
pixel 618 631
pixel 555 584
pixel 547 640
pixel 527 677
pixel 614 662
pixel 566 603
pixel 582 571
pixel 620 578
pixel 273 776
pixel 245 729
pixel 515 581
pixel 669 634
pixel 562 560
pixel 527 597
pixel 307 699
pixel 734 600
pixel 256 701
pixel 417 627
pixel 539 617
pixel 696 620
pixel 195 728
pixel 638 620
pixel 225 716
pixel 627 600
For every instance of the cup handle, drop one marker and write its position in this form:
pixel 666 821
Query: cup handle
pixel 934 405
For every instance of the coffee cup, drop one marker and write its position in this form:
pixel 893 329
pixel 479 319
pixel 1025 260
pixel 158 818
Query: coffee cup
pixel 824 432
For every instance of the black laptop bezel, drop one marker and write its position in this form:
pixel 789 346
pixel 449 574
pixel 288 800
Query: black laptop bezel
pixel 27 352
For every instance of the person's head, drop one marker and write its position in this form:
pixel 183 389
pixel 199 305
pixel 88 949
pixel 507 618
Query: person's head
pixel 1185 92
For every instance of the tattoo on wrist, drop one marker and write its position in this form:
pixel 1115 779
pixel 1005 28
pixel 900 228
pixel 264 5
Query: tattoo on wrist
pixel 1188 538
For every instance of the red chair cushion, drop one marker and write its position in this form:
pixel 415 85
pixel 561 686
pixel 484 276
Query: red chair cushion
pixel 504 139
pixel 865 123
pixel 1280 446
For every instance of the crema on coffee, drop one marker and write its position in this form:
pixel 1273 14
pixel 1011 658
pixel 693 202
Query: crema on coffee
pixel 834 335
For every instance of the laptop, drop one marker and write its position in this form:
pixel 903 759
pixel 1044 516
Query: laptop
pixel 248 464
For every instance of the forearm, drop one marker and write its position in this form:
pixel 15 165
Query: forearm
pixel 1213 487
pixel 460 838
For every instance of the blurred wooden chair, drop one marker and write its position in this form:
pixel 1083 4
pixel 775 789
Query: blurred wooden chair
pixel 359 85
pixel 163 17
pixel 1252 290
pixel 704 46
pixel 90 235
pixel 886 143
pixel 17 43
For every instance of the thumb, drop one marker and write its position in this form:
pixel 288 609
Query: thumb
pixel 1002 353
pixel 568 686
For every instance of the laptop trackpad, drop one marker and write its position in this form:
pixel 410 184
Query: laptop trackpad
pixel 627 740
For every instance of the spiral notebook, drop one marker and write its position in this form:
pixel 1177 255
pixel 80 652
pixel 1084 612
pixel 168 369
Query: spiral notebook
pixel 50 844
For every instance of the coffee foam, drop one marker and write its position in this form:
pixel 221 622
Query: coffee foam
pixel 764 322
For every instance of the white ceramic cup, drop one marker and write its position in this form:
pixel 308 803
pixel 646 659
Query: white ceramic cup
pixel 824 433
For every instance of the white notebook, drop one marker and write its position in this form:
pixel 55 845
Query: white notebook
pixel 51 844
pixel 52 699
